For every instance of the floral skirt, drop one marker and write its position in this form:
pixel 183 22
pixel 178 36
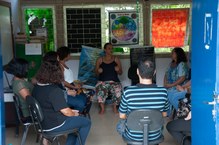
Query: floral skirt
pixel 106 88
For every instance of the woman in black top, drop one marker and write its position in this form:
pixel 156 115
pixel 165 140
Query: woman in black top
pixel 57 115
pixel 107 68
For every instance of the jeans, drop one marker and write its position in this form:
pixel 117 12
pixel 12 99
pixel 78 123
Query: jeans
pixel 120 127
pixel 82 123
pixel 77 102
pixel 174 96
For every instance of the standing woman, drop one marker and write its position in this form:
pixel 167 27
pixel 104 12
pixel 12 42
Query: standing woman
pixel 21 87
pixel 108 68
pixel 176 74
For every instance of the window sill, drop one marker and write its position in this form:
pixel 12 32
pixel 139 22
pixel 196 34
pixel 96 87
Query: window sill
pixel 76 56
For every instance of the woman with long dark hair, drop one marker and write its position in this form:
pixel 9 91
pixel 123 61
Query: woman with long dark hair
pixel 176 74
pixel 58 116
pixel 107 69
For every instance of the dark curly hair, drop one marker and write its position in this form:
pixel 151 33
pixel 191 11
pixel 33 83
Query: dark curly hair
pixel 17 67
pixel 63 52
pixel 181 55
pixel 50 70
pixel 106 44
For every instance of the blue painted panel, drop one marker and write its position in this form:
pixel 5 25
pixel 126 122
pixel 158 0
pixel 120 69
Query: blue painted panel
pixel 204 56
pixel 2 105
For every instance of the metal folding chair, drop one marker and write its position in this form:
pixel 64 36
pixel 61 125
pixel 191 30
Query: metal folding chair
pixel 37 117
pixel 25 121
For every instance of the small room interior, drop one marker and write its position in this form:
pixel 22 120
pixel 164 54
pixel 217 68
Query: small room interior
pixel 54 22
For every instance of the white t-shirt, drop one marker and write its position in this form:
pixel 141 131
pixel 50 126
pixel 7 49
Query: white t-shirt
pixel 68 75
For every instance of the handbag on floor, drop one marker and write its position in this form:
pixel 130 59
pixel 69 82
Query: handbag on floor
pixel 184 108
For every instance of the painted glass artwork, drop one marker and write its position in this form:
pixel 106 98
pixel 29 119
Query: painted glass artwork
pixel 169 27
pixel 123 28
pixel 39 22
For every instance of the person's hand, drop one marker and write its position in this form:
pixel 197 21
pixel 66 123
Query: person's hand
pixel 179 88
pixel 34 80
pixel 72 92
pixel 76 112
pixel 116 68
pixel 78 86
pixel 168 85
pixel 100 70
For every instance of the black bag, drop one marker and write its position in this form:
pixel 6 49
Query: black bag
pixel 184 108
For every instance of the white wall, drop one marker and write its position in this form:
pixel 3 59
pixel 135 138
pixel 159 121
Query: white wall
pixel 161 66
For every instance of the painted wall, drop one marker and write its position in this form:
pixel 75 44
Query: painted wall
pixel 161 66
pixel 15 15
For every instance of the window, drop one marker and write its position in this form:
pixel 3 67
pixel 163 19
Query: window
pixel 83 27
pixel 89 25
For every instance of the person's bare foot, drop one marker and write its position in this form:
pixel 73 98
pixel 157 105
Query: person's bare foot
pixel 101 111
pixel 115 110
pixel 101 108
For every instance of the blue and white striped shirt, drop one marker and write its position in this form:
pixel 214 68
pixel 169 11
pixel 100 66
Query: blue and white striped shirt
pixel 143 97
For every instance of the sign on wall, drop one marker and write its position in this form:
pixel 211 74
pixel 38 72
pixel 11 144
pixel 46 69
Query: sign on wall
pixel 123 27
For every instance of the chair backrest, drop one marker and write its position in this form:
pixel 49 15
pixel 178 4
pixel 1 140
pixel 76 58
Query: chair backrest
pixel 136 54
pixel 145 120
pixel 19 112
pixel 35 112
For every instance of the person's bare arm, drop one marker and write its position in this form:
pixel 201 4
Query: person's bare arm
pixel 187 85
pixel 24 93
pixel 122 116
pixel 98 69
pixel 69 112
pixel 177 82
pixel 164 114
pixel 68 85
pixel 165 80
pixel 118 68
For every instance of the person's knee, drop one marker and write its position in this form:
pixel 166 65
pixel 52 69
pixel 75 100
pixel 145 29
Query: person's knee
pixel 168 127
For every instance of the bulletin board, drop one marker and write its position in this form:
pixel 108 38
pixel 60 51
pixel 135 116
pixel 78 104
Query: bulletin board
pixel 123 27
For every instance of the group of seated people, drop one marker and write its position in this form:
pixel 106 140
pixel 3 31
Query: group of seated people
pixel 62 98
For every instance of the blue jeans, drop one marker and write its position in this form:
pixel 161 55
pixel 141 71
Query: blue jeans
pixel 174 96
pixel 77 102
pixel 82 123
pixel 120 127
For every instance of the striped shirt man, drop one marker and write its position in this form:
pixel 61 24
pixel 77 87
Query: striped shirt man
pixel 143 96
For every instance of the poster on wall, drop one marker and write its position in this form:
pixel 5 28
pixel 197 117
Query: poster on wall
pixel 123 27
pixel 169 27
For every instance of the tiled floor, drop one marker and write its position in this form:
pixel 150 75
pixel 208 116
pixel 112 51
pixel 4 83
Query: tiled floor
pixel 102 132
